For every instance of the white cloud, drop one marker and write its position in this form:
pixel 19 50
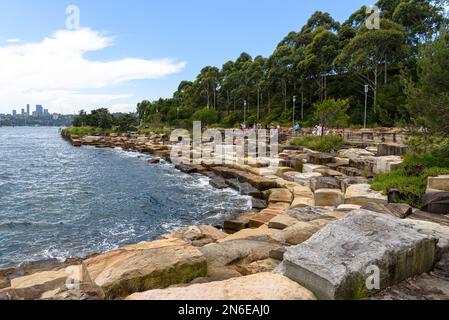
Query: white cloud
pixel 14 40
pixel 56 73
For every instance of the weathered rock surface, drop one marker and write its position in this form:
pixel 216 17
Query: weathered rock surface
pixel 262 286
pixel 387 164
pixel 298 233
pixel 361 194
pixel 197 236
pixel 307 214
pixel 334 263
pixel 437 203
pixel 391 149
pixel 324 183
pixel 280 195
pixel 328 198
pixel 397 210
pixel 440 183
pixel 145 266
pixel 224 259
pixel 282 222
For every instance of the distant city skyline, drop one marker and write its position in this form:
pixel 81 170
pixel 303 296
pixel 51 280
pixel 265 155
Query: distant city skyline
pixel 39 112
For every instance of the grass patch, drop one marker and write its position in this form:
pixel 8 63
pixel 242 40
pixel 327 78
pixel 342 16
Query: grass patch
pixel 411 177
pixel 322 144
pixel 82 131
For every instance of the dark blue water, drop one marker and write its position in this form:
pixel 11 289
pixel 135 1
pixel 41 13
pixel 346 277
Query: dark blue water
pixel 57 201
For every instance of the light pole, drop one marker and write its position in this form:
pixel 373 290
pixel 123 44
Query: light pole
pixel 244 113
pixel 366 105
pixel 294 109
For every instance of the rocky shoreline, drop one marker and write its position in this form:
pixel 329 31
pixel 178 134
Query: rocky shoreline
pixel 315 231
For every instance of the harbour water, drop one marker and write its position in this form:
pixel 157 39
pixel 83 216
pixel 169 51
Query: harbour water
pixel 57 201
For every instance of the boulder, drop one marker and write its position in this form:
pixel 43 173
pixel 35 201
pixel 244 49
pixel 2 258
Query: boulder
pixel 397 210
pixel 354 153
pixel 73 280
pixel 437 203
pixel 267 265
pixel 347 207
pixel 304 178
pixel 320 158
pixel 263 217
pixel 440 183
pixel 310 168
pixel 431 217
pixel 307 214
pixel 345 182
pixel 302 202
pixel 260 234
pixel 243 188
pixel 154 161
pixel 363 164
pixel 146 266
pixel 328 198
pixel 391 149
pixel 218 182
pixel 282 222
pixel 387 164
pixel 335 264
pixel 259 204
pixel 224 258
pixel 279 206
pixel 280 195
pixel 434 230
pixel 197 236
pixel 262 286
pixel 361 194
pixel 298 233
pixel 324 183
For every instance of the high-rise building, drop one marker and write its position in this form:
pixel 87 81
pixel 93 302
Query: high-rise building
pixel 39 110
pixel 23 112
pixel 14 113
pixel 46 114
pixel 28 110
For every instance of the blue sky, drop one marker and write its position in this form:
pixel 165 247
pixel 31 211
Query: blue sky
pixel 134 50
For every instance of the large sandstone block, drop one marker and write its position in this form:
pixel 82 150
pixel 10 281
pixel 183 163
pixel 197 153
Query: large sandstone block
pixel 197 236
pixel 146 266
pixel 438 183
pixel 361 194
pixel 328 198
pixel 310 168
pixel 282 222
pixel 262 286
pixel 324 183
pixel 387 164
pixel 280 195
pixel 335 263
pixel 391 149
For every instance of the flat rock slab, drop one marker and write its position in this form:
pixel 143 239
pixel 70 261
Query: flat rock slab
pixel 280 195
pixel 146 266
pixel 335 262
pixel 397 210
pixel 328 198
pixel 362 194
pixel 262 286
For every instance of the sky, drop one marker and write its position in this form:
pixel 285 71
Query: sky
pixel 126 51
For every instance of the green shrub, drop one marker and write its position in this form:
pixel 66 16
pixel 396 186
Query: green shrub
pixel 410 179
pixel 323 144
pixel 82 131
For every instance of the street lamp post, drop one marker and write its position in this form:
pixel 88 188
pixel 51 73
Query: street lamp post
pixel 366 105
pixel 244 112
pixel 294 109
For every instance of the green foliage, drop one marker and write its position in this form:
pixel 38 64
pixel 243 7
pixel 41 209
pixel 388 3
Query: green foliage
pixel 323 144
pixel 411 178
pixel 432 89
pixel 206 116
pixel 332 113
pixel 82 131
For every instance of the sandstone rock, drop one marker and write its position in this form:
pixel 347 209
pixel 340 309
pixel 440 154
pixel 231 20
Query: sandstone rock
pixel 145 266
pixel 328 198
pixel 430 217
pixel 197 236
pixel 243 188
pixel 224 258
pixel 347 207
pixel 354 153
pixel 280 195
pixel 387 164
pixel 259 204
pixel 282 222
pixel 361 194
pixel 434 230
pixel 363 164
pixel 310 168
pixel 304 178
pixel 279 206
pixel 218 182
pixel 438 183
pixel 335 263
pixel 349 181
pixel 307 214
pixel 320 158
pixel 397 210
pixel 337 215
pixel 70 280
pixel 324 183
pixel 267 265
pixel 261 234
pixel 437 203
pixel 262 286
pixel 302 202
pixel 297 233
pixel 391 149
pixel 328 172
